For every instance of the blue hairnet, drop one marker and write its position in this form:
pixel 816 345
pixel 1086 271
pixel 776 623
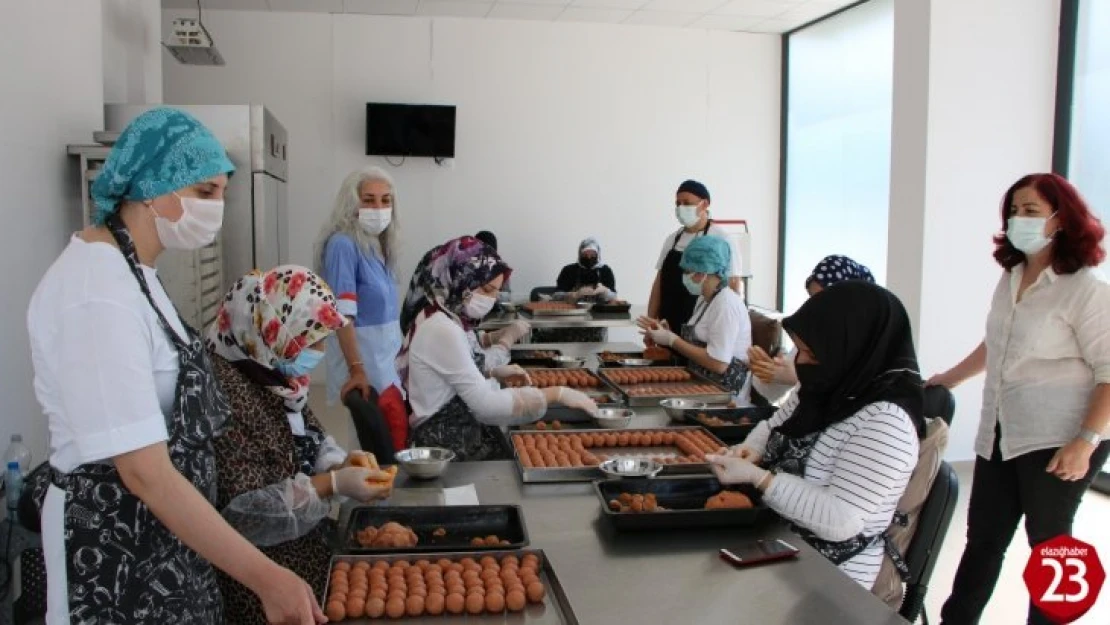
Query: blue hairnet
pixel 708 254
pixel 160 151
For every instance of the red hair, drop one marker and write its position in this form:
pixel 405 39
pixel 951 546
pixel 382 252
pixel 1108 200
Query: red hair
pixel 1078 244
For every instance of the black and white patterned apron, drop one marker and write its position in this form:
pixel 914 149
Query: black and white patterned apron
pixel 785 454
pixel 454 427
pixel 735 376
pixel 122 564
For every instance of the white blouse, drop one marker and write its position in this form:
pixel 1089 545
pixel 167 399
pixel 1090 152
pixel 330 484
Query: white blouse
pixel 441 367
pixel 855 474
pixel 1045 354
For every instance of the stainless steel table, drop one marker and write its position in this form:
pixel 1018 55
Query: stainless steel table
pixel 667 578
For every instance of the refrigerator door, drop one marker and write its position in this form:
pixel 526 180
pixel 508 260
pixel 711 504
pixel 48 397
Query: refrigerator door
pixel 270 222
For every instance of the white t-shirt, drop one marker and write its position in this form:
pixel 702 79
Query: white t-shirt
pixel 441 367
pixel 105 374
pixel 726 329
pixel 684 240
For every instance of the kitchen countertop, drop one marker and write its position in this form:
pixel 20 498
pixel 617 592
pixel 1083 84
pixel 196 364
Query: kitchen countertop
pixel 649 578
pixel 661 578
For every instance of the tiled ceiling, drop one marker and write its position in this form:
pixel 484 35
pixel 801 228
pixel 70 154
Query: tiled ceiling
pixel 758 16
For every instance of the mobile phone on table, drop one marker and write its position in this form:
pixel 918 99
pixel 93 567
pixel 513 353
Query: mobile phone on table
pixel 758 552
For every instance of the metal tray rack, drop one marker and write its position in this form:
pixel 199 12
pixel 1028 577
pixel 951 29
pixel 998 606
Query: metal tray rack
pixel 684 498
pixel 532 475
pixel 555 609
pixel 721 397
pixel 462 523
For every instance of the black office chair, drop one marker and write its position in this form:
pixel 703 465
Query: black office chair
pixel 932 526
pixel 370 425
pixel 940 403
pixel 542 290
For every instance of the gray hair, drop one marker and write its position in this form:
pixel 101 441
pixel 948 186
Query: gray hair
pixel 344 219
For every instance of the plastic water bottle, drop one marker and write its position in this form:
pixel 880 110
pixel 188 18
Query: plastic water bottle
pixel 18 452
pixel 13 486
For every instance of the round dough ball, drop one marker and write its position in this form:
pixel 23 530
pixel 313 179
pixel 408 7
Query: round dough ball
pixel 454 603
pixel 475 604
pixel 375 608
pixel 414 606
pixel 434 604
pixel 444 563
pixel 495 604
pixel 536 592
pixel 355 608
pixel 336 611
pixel 342 566
pixel 395 608
pixel 515 600
pixel 489 562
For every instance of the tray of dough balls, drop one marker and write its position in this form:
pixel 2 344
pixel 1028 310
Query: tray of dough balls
pixel 556 309
pixel 580 379
pixel 394 529
pixel 679 503
pixel 731 425
pixel 517 586
pixel 646 386
pixel 546 456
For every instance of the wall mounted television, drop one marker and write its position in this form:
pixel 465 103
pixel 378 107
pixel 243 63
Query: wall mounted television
pixel 419 130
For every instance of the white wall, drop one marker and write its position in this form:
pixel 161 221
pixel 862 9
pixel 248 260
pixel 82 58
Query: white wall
pixel 132 51
pixel 989 118
pixel 564 130
pixel 50 69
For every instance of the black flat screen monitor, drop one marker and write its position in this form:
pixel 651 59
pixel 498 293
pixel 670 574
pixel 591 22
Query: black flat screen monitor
pixel 426 130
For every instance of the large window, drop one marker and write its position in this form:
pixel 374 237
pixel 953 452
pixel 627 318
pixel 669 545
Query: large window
pixel 1089 146
pixel 836 192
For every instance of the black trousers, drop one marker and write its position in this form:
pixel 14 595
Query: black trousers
pixel 1001 493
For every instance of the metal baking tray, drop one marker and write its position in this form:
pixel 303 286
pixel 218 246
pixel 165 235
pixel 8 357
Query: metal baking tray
pixel 735 432
pixel 555 609
pixel 532 475
pixel 722 397
pixel 684 498
pixel 611 309
pixel 580 311
pixel 625 355
pixel 530 358
pixel 462 523
pixel 605 396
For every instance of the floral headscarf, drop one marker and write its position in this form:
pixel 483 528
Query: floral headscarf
pixel 271 317
pixel 160 151
pixel 443 280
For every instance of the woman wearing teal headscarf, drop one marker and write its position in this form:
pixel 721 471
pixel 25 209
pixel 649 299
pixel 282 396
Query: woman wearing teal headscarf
pixel 128 524
pixel 715 341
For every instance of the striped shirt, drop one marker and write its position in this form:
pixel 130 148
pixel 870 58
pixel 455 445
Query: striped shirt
pixel 855 474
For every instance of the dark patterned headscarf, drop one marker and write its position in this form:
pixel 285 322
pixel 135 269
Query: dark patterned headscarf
pixel 834 269
pixel 443 279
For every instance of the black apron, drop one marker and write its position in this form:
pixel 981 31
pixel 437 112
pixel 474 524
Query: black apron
pixel 676 304
pixel 735 376
pixel 122 564
pixel 454 427
pixel 785 454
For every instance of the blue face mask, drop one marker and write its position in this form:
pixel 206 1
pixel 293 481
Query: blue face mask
pixel 693 287
pixel 302 365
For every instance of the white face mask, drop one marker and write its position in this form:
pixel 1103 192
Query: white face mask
pixel 687 214
pixel 375 220
pixel 1027 234
pixel 478 306
pixel 198 225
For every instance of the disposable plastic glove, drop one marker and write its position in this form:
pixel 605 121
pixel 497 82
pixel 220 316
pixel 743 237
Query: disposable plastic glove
pixel 744 452
pixel 506 373
pixel 733 470
pixel 577 399
pixel 512 333
pixel 352 482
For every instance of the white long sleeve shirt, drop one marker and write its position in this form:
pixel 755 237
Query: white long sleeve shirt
pixel 1045 354
pixel 441 366
pixel 854 476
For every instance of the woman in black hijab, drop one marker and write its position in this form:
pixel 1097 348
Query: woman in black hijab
pixel 836 458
